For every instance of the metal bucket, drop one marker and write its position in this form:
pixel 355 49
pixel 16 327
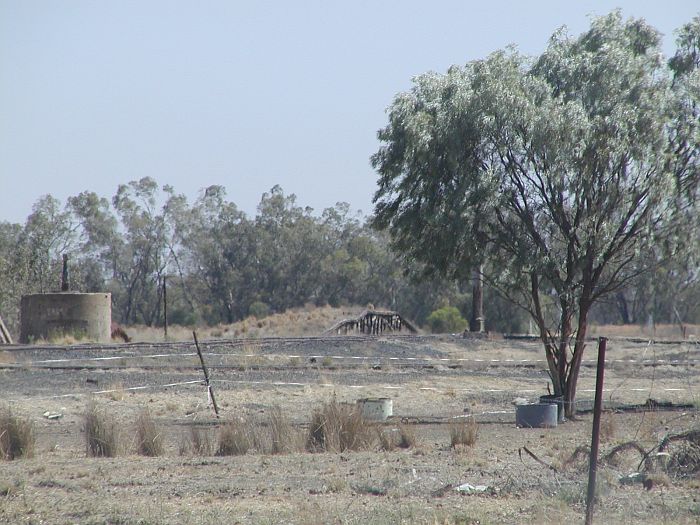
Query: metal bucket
pixel 541 415
pixel 376 408
pixel 555 400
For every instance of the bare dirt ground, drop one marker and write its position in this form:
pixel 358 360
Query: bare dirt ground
pixel 430 379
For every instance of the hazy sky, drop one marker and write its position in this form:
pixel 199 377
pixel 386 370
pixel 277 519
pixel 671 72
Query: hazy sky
pixel 243 94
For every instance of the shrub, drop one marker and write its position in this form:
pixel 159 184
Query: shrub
pixel 149 442
pixel 463 432
pixel 336 428
pixel 16 437
pixel 259 310
pixel 446 320
pixel 101 434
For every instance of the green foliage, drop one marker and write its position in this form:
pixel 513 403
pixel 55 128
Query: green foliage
pixel 447 319
pixel 567 175
pixel 259 310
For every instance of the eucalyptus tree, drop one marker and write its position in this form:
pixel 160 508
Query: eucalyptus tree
pixel 13 274
pixel 150 240
pixel 291 247
pixel 100 243
pixel 219 253
pixel 555 172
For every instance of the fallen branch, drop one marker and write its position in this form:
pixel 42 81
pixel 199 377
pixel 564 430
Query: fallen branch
pixel 629 445
pixel 533 456
pixel 692 436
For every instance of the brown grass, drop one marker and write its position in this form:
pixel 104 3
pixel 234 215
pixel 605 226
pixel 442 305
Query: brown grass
pixel 116 391
pixel 463 432
pixel 283 437
pixel 401 437
pixel 16 437
pixel 659 331
pixel 149 442
pixel 234 439
pixel 309 320
pixel 101 433
pixel 7 357
pixel 196 443
pixel 608 427
pixel 338 427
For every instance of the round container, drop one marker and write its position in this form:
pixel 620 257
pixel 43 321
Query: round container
pixel 376 408
pixel 54 315
pixel 555 400
pixel 540 415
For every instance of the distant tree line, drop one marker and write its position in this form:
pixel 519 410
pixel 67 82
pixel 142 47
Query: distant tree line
pixel 221 265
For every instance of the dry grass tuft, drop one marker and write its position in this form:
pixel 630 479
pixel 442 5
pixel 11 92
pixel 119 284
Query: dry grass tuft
pixel 271 435
pixel 101 433
pixel 116 391
pixel 283 437
pixel 149 442
pixel 16 437
pixel 196 443
pixel 386 439
pixel 402 437
pixel 407 437
pixel 464 432
pixel 234 439
pixel 337 427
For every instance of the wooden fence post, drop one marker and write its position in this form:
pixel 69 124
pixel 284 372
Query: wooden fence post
pixel 210 391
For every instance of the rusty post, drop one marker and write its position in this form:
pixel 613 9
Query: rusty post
pixel 210 391
pixel 595 434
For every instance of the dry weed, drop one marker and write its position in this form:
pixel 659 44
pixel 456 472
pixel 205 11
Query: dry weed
pixel 234 439
pixel 386 439
pixel 338 427
pixel 149 442
pixel 401 437
pixel 101 433
pixel 16 437
pixel 283 437
pixel 463 432
pixel 650 426
pixel 196 443
pixel 116 391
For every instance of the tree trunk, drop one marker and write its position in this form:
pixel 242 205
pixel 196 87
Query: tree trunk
pixel 476 323
pixel 565 333
pixel 623 307
pixel 550 347
pixel 574 369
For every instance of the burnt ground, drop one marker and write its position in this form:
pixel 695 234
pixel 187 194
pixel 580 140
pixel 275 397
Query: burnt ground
pixel 431 381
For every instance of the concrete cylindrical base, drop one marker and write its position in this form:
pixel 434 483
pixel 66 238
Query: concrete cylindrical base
pixel 555 400
pixel 376 409
pixel 543 415
pixel 79 315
